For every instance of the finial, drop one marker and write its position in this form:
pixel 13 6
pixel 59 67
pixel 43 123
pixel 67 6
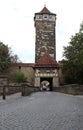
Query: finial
pixel 45 4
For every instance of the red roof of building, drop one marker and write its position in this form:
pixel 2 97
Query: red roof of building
pixel 23 64
pixel 46 61
pixel 45 10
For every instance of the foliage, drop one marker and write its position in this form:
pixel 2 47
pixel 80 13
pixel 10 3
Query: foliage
pixel 5 59
pixel 19 77
pixel 73 63
pixel 14 57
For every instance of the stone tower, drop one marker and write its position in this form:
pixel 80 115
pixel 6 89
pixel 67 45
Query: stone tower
pixel 45 22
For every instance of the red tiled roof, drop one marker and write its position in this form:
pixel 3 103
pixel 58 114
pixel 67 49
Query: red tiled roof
pixel 45 10
pixel 23 64
pixel 46 61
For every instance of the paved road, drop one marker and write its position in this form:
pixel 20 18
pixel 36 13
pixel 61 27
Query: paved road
pixel 42 111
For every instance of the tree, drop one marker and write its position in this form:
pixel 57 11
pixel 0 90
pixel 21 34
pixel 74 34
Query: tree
pixel 5 59
pixel 19 77
pixel 73 63
pixel 15 59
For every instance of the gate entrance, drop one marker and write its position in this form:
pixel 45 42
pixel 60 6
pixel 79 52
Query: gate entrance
pixel 48 82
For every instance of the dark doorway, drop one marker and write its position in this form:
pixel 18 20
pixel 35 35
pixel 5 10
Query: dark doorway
pixel 50 80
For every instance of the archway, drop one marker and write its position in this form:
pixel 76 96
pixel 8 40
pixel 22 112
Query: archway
pixel 48 82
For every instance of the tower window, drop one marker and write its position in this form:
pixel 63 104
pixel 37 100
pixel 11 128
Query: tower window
pixel 40 17
pixel 45 17
pixel 50 16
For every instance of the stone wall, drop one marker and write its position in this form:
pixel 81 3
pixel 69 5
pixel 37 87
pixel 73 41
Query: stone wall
pixel 70 89
pixel 10 89
pixel 55 82
pixel 37 81
pixel 45 39
pixel 27 70
pixel 29 73
pixel 24 89
pixel 30 89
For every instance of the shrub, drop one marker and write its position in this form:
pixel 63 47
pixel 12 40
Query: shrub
pixel 19 77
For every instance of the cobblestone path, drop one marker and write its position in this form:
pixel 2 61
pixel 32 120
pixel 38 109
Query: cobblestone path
pixel 42 111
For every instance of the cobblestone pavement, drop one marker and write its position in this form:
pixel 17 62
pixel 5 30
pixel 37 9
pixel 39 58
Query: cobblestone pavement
pixel 42 111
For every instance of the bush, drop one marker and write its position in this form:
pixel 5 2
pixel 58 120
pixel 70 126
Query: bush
pixel 19 77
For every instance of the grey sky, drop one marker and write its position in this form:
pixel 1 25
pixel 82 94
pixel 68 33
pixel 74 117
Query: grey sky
pixel 17 24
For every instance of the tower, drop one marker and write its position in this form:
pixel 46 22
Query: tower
pixel 45 23
pixel 46 67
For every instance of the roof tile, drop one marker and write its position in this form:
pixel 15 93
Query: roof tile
pixel 46 61
pixel 45 10
pixel 23 64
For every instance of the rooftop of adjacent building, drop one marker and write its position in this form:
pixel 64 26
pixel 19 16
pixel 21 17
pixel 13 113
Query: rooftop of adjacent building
pixel 23 64
pixel 45 61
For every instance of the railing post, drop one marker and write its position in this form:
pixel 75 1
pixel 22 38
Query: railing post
pixel 4 92
pixel 23 90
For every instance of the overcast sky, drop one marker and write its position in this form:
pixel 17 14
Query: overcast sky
pixel 17 24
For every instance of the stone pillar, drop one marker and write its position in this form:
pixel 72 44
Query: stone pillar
pixel 37 81
pixel 55 82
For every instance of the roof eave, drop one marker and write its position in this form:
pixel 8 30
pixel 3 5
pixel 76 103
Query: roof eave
pixel 39 13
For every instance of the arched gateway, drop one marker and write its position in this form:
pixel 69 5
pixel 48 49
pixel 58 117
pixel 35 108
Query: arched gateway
pixel 46 69
pixel 47 82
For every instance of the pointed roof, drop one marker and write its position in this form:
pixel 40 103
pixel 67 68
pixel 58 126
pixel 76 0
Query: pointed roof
pixel 45 10
pixel 46 61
